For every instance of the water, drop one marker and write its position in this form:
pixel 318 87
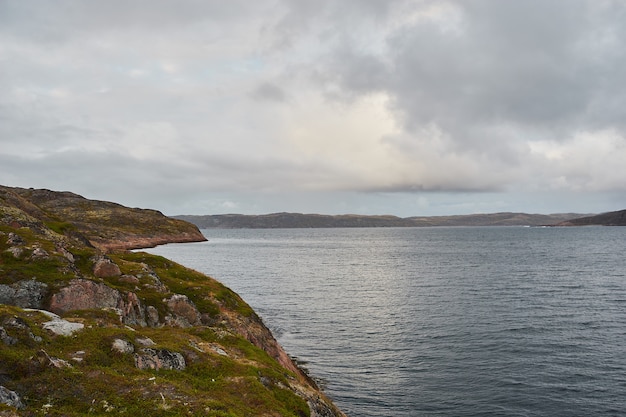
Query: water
pixel 439 321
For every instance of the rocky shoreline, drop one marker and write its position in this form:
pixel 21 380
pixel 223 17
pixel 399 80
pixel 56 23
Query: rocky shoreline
pixel 74 303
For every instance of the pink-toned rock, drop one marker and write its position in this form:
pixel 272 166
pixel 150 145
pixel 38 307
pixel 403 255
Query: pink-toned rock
pixel 83 294
pixel 105 268
pixel 184 312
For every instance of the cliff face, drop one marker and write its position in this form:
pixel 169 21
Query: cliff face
pixel 88 329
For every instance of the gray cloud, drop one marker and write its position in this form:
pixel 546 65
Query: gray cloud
pixel 393 98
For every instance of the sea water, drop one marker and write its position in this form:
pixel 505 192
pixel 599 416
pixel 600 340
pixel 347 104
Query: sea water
pixel 477 321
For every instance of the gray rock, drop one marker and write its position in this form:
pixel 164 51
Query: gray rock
pixel 40 253
pixel 43 359
pixel 15 240
pixel 149 358
pixel 16 251
pixel 122 346
pixel 28 293
pixel 184 312
pixel 145 341
pixel 10 398
pixel 6 339
pixel 152 316
pixel 62 327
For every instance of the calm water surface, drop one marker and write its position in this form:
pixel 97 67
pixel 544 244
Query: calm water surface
pixel 439 321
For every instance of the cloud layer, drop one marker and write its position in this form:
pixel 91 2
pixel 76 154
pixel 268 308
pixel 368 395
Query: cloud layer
pixel 208 103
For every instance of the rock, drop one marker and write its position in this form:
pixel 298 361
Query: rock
pixel 16 251
pixel 105 268
pixel 145 341
pixel 15 240
pixel 62 327
pixel 6 339
pixel 44 360
pixel 40 253
pixel 152 316
pixel 10 398
pixel 133 312
pixel 184 312
pixel 156 359
pixel 28 293
pixel 122 346
pixel 129 279
pixel 67 254
pixel 83 294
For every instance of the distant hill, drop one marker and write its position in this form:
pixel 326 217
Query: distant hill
pixel 613 218
pixel 299 220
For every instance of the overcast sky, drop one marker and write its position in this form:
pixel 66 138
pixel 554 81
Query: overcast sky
pixel 405 107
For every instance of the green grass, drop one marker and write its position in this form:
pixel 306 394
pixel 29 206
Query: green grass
pixel 212 384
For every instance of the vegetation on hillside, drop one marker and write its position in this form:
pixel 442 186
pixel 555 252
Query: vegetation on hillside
pixel 154 338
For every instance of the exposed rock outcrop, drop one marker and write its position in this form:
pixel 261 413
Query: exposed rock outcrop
pixel 149 358
pixel 10 398
pixel 54 255
pixel 26 294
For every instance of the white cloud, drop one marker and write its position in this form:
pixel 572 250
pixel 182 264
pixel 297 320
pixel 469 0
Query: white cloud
pixel 399 100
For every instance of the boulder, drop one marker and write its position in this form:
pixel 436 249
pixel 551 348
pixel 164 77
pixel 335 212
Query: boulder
pixel 156 359
pixel 28 293
pixel 40 253
pixel 122 346
pixel 10 398
pixel 82 294
pixel 15 240
pixel 62 327
pixel 105 268
pixel 183 312
pixel 16 251
pixel 6 339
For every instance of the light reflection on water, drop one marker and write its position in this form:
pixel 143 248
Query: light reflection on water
pixel 439 321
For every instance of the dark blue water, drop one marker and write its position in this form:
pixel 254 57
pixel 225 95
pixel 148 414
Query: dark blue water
pixel 439 321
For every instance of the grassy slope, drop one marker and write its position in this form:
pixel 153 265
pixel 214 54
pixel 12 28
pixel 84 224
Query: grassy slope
pixel 247 381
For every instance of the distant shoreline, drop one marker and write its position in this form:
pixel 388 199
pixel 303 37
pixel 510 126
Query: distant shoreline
pixel 300 220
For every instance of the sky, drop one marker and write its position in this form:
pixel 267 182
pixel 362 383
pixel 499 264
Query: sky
pixel 404 107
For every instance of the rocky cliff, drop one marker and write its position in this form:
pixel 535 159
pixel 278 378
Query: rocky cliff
pixel 89 328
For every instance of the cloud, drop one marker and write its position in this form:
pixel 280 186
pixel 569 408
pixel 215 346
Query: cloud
pixel 359 96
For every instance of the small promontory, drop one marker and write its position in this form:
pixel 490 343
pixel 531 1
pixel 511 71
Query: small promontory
pixel 612 218
pixel 90 328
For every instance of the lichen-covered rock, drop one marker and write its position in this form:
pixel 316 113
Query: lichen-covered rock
pixel 39 253
pixel 28 293
pixel 6 339
pixel 156 359
pixel 122 346
pixel 10 398
pixel 15 239
pixel 183 312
